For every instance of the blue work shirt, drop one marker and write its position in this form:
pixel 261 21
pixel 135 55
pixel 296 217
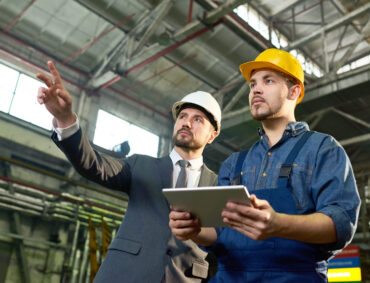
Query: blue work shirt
pixel 322 179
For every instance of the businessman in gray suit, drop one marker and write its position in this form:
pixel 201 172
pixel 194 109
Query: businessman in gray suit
pixel 144 249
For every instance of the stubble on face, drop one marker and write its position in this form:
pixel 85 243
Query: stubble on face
pixel 185 141
pixel 259 115
pixel 270 107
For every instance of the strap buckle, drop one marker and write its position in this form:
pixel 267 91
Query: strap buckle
pixel 285 170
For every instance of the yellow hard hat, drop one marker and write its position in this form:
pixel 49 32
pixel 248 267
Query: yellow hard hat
pixel 278 60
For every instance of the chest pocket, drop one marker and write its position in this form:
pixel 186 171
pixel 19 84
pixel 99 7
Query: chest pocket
pixel 294 177
pixel 300 179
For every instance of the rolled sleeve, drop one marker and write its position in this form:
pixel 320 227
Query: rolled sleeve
pixel 335 192
pixel 345 228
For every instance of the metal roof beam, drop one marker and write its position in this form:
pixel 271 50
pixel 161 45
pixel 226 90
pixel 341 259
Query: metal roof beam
pixel 364 33
pixel 354 140
pixel 161 11
pixel 235 80
pixel 352 118
pixel 16 19
pixel 342 21
pixel 240 27
pixel 316 121
pixel 314 91
pixel 185 34
pixel 284 6
pixel 209 18
pixel 341 9
pixel 243 90
pixel 236 117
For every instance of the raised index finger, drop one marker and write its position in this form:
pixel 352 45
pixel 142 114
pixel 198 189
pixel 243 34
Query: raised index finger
pixel 54 72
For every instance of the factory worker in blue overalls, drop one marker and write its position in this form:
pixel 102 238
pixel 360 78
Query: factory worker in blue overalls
pixel 304 200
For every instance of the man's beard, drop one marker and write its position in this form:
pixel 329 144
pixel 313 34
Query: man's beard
pixel 261 117
pixel 185 143
pixel 269 114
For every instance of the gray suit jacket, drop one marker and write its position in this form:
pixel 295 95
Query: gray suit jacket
pixel 144 249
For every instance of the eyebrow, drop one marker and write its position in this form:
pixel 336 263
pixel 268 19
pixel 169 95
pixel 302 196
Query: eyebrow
pixel 194 116
pixel 264 77
pixel 267 76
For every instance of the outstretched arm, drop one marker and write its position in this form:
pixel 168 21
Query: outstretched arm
pixel 110 172
pixel 56 98
pixel 261 222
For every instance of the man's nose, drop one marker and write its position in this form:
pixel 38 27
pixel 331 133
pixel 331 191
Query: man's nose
pixel 257 89
pixel 186 123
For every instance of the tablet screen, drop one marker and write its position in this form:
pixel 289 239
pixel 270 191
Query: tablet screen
pixel 206 203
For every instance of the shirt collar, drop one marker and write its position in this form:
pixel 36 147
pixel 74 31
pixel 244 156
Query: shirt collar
pixel 294 128
pixel 194 163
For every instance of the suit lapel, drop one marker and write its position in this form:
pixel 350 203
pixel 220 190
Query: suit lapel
pixel 205 177
pixel 165 169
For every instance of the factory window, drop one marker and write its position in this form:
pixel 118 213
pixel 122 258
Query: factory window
pixel 18 97
pixel 355 64
pixel 258 23
pixel 253 19
pixel 308 66
pixel 111 131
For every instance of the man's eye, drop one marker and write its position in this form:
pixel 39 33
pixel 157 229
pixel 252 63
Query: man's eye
pixel 252 85
pixel 269 81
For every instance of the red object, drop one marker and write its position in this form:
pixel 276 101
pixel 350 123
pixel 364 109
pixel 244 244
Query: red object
pixel 190 11
pixel 350 251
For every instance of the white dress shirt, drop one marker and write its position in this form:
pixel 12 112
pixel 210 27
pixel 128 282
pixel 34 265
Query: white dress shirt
pixel 63 133
pixel 193 171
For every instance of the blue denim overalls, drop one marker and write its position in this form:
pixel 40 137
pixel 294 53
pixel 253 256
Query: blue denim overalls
pixel 275 260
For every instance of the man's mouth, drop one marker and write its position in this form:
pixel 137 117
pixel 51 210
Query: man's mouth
pixel 184 132
pixel 257 101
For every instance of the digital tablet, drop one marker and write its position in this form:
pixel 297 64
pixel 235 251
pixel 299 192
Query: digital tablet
pixel 206 203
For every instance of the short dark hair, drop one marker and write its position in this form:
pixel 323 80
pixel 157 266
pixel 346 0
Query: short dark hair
pixel 290 80
pixel 200 108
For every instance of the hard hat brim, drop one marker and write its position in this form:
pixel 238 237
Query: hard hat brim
pixel 247 68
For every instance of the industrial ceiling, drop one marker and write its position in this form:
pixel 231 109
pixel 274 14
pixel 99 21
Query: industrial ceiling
pixel 150 53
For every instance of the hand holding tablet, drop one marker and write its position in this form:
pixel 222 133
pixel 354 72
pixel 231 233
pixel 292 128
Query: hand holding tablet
pixel 206 203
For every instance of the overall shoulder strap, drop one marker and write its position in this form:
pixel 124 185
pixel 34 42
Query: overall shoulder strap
pixel 286 167
pixel 236 178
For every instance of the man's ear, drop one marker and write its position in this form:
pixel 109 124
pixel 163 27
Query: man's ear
pixel 294 92
pixel 212 136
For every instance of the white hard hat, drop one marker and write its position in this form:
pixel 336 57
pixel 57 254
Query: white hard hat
pixel 204 100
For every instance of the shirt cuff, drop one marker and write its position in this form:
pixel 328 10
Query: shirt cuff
pixel 63 133
pixel 344 228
